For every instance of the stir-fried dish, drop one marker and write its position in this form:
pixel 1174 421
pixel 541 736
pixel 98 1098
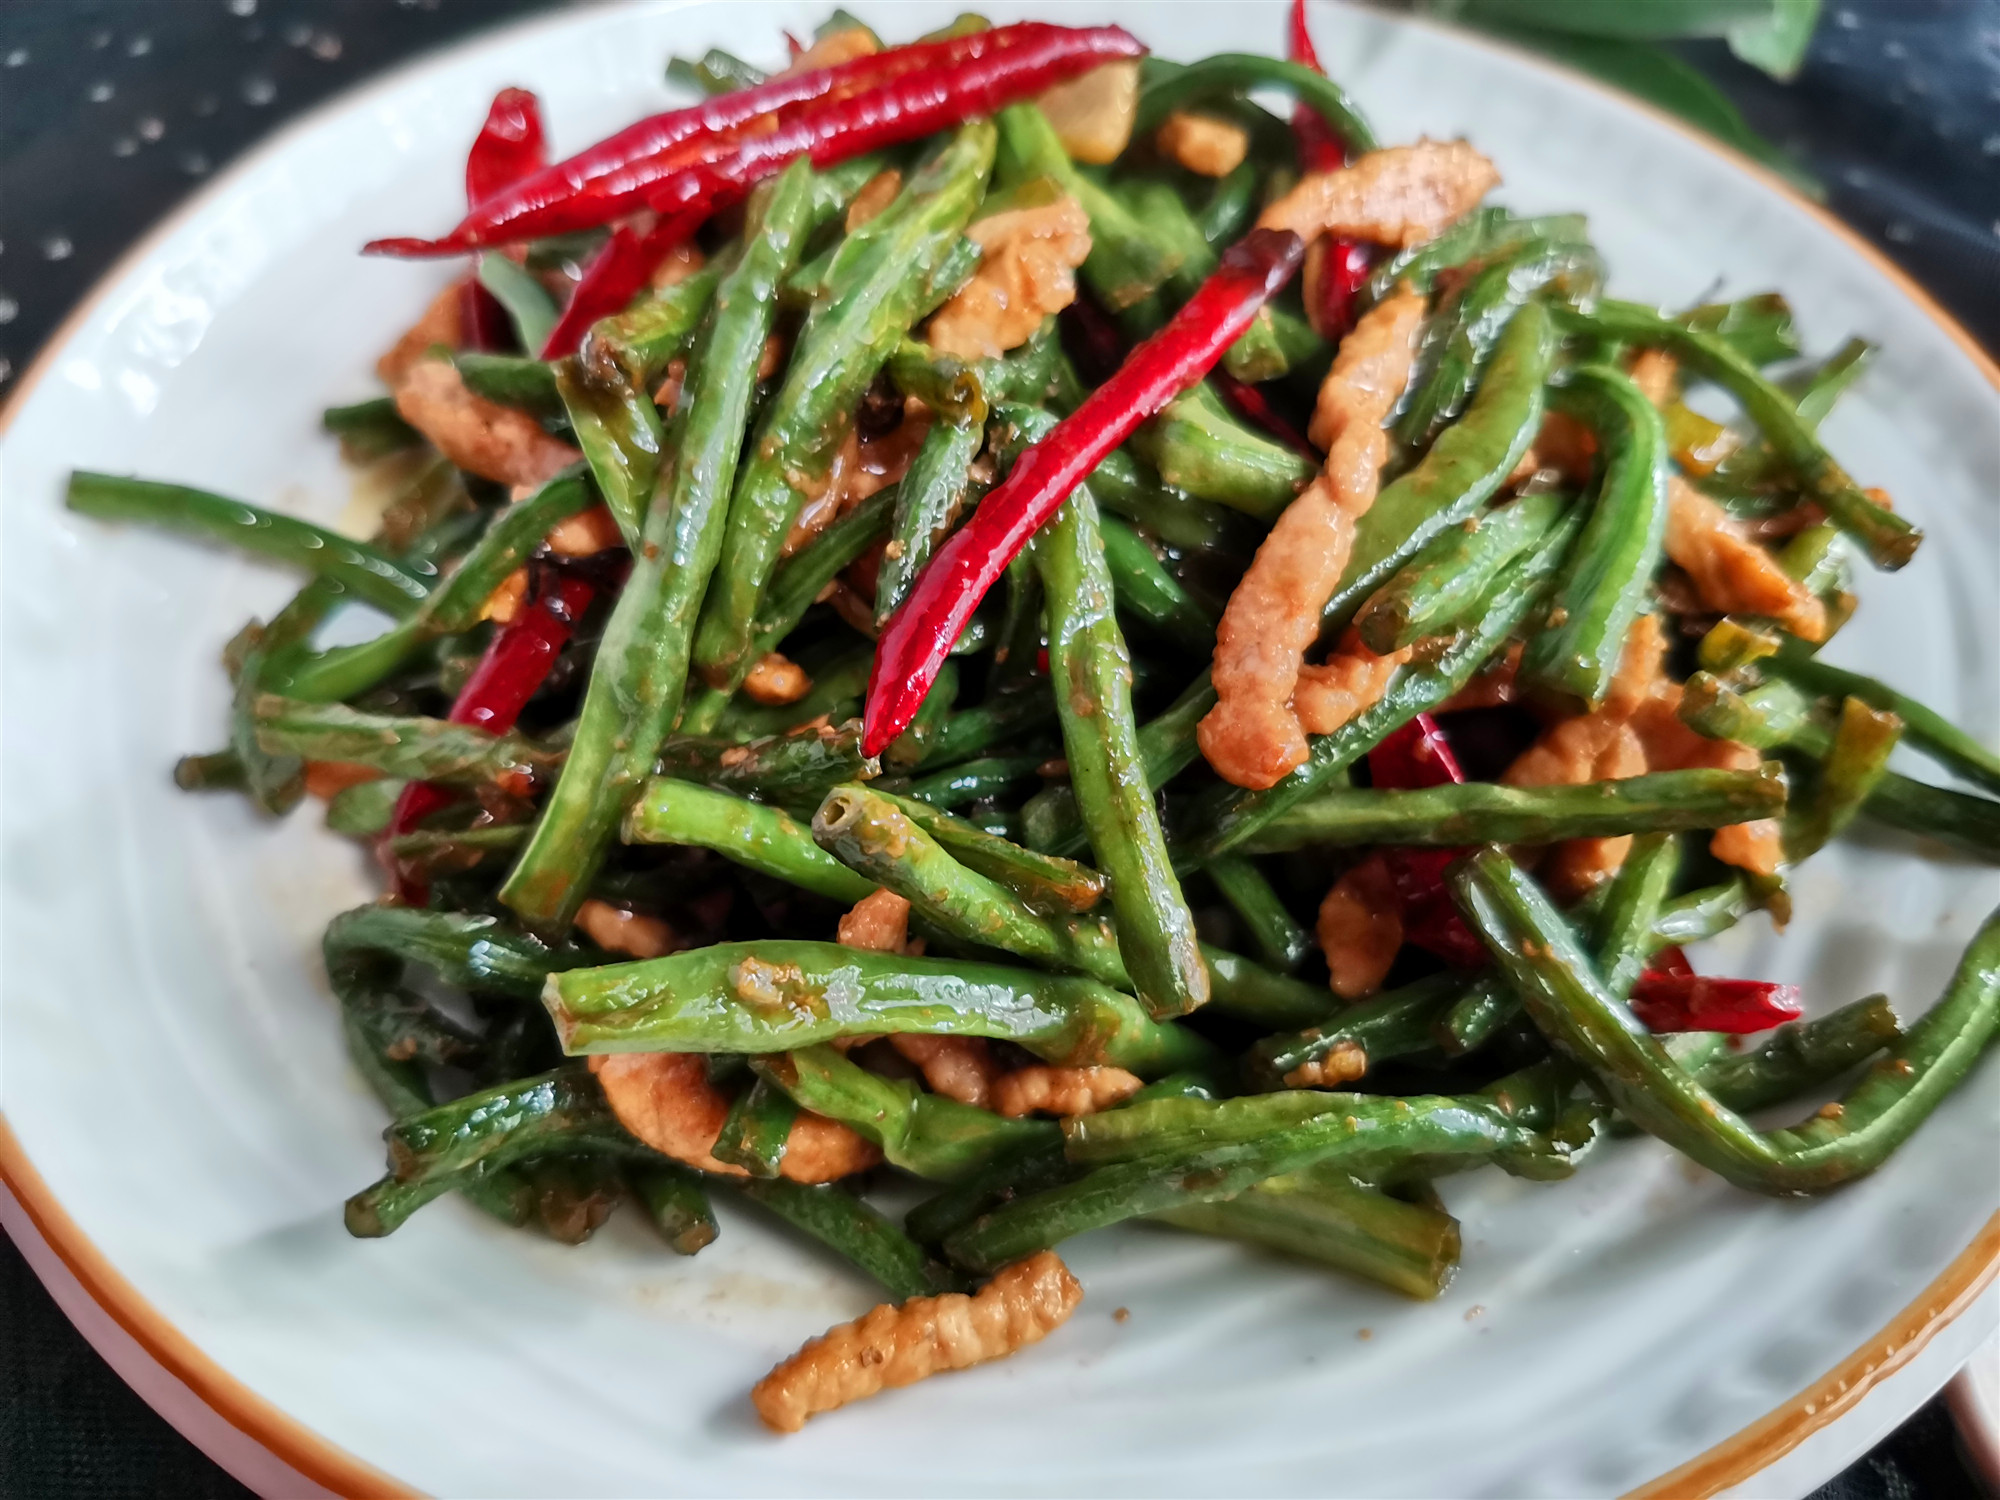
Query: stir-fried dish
pixel 993 610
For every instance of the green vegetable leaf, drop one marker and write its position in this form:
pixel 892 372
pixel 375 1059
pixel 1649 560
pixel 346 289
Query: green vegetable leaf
pixel 1777 45
pixel 1661 78
pixel 1629 19
pixel 526 300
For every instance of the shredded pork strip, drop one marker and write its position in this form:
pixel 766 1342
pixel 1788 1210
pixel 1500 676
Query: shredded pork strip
pixel 1361 928
pixel 1204 144
pixel 1063 1091
pixel 1399 196
pixel 666 1100
pixel 1731 572
pixel 616 930
pixel 493 441
pixel 1252 736
pixel 1027 272
pixel 776 680
pixel 900 1345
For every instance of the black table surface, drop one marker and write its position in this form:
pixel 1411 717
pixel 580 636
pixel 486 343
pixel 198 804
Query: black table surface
pixel 112 111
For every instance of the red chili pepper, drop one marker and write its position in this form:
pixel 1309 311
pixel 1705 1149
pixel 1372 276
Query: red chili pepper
pixel 1693 1002
pixel 516 662
pixel 1251 405
pixel 914 643
pixel 1347 263
pixel 509 147
pixel 678 159
pixel 614 276
pixel 1342 276
pixel 1419 755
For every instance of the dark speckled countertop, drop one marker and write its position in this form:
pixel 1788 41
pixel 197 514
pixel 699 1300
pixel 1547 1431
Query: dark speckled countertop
pixel 111 111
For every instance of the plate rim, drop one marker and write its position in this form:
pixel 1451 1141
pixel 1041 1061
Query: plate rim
pixel 1728 1462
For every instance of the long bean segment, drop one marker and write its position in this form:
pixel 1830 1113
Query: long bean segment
pixel 641 670
pixel 1093 685
pixel 1535 947
pixel 1467 464
pixel 412 748
pixel 751 834
pixel 1432 592
pixel 779 995
pixel 1611 567
pixel 1890 540
pixel 872 300
pixel 363 570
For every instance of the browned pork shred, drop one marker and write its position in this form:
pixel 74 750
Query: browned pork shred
pixel 1401 195
pixel 899 1345
pixel 1252 736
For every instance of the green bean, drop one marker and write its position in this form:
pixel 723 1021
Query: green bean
pixel 562 1110
pixel 753 835
pixel 364 571
pixel 1481 235
pixel 528 304
pixel 1042 880
pixel 370 429
pixel 1126 260
pixel 1463 335
pixel 1229 73
pixel 1212 1159
pixel 847 338
pixel 1469 462
pixel 929 501
pixel 1609 578
pixel 427 852
pixel 617 426
pixel 217 771
pixel 1929 731
pixel 1435 588
pixel 973 780
pixel 913 746
pixel 717 72
pixel 1530 941
pixel 1889 539
pixel 1484 812
pixel 1132 491
pixel 1759 328
pixel 1803 1055
pixel 676 1202
pixel 794 770
pixel 452 607
pixel 1779 716
pixel 1231 204
pixel 385 1206
pixel 514 380
pixel 1389 1025
pixel 1249 992
pixel 1092 677
pixel 951 387
pixel 1004 717
pixel 1329 1218
pixel 1146 590
pixel 1848 774
pixel 1011 1175
pixel 855 1232
pixel 472 951
pixel 1702 914
pixel 1233 816
pixel 777 995
pixel 1196 445
pixel 835 695
pixel 877 838
pixel 640 342
pixel 1274 932
pixel 920 1132
pixel 362 810
pixel 756 1129
pixel 1167 746
pixel 640 672
pixel 575 1193
pixel 411 748
pixel 803 577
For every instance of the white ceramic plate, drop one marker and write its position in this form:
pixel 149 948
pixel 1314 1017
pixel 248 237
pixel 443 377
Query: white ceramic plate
pixel 183 1125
